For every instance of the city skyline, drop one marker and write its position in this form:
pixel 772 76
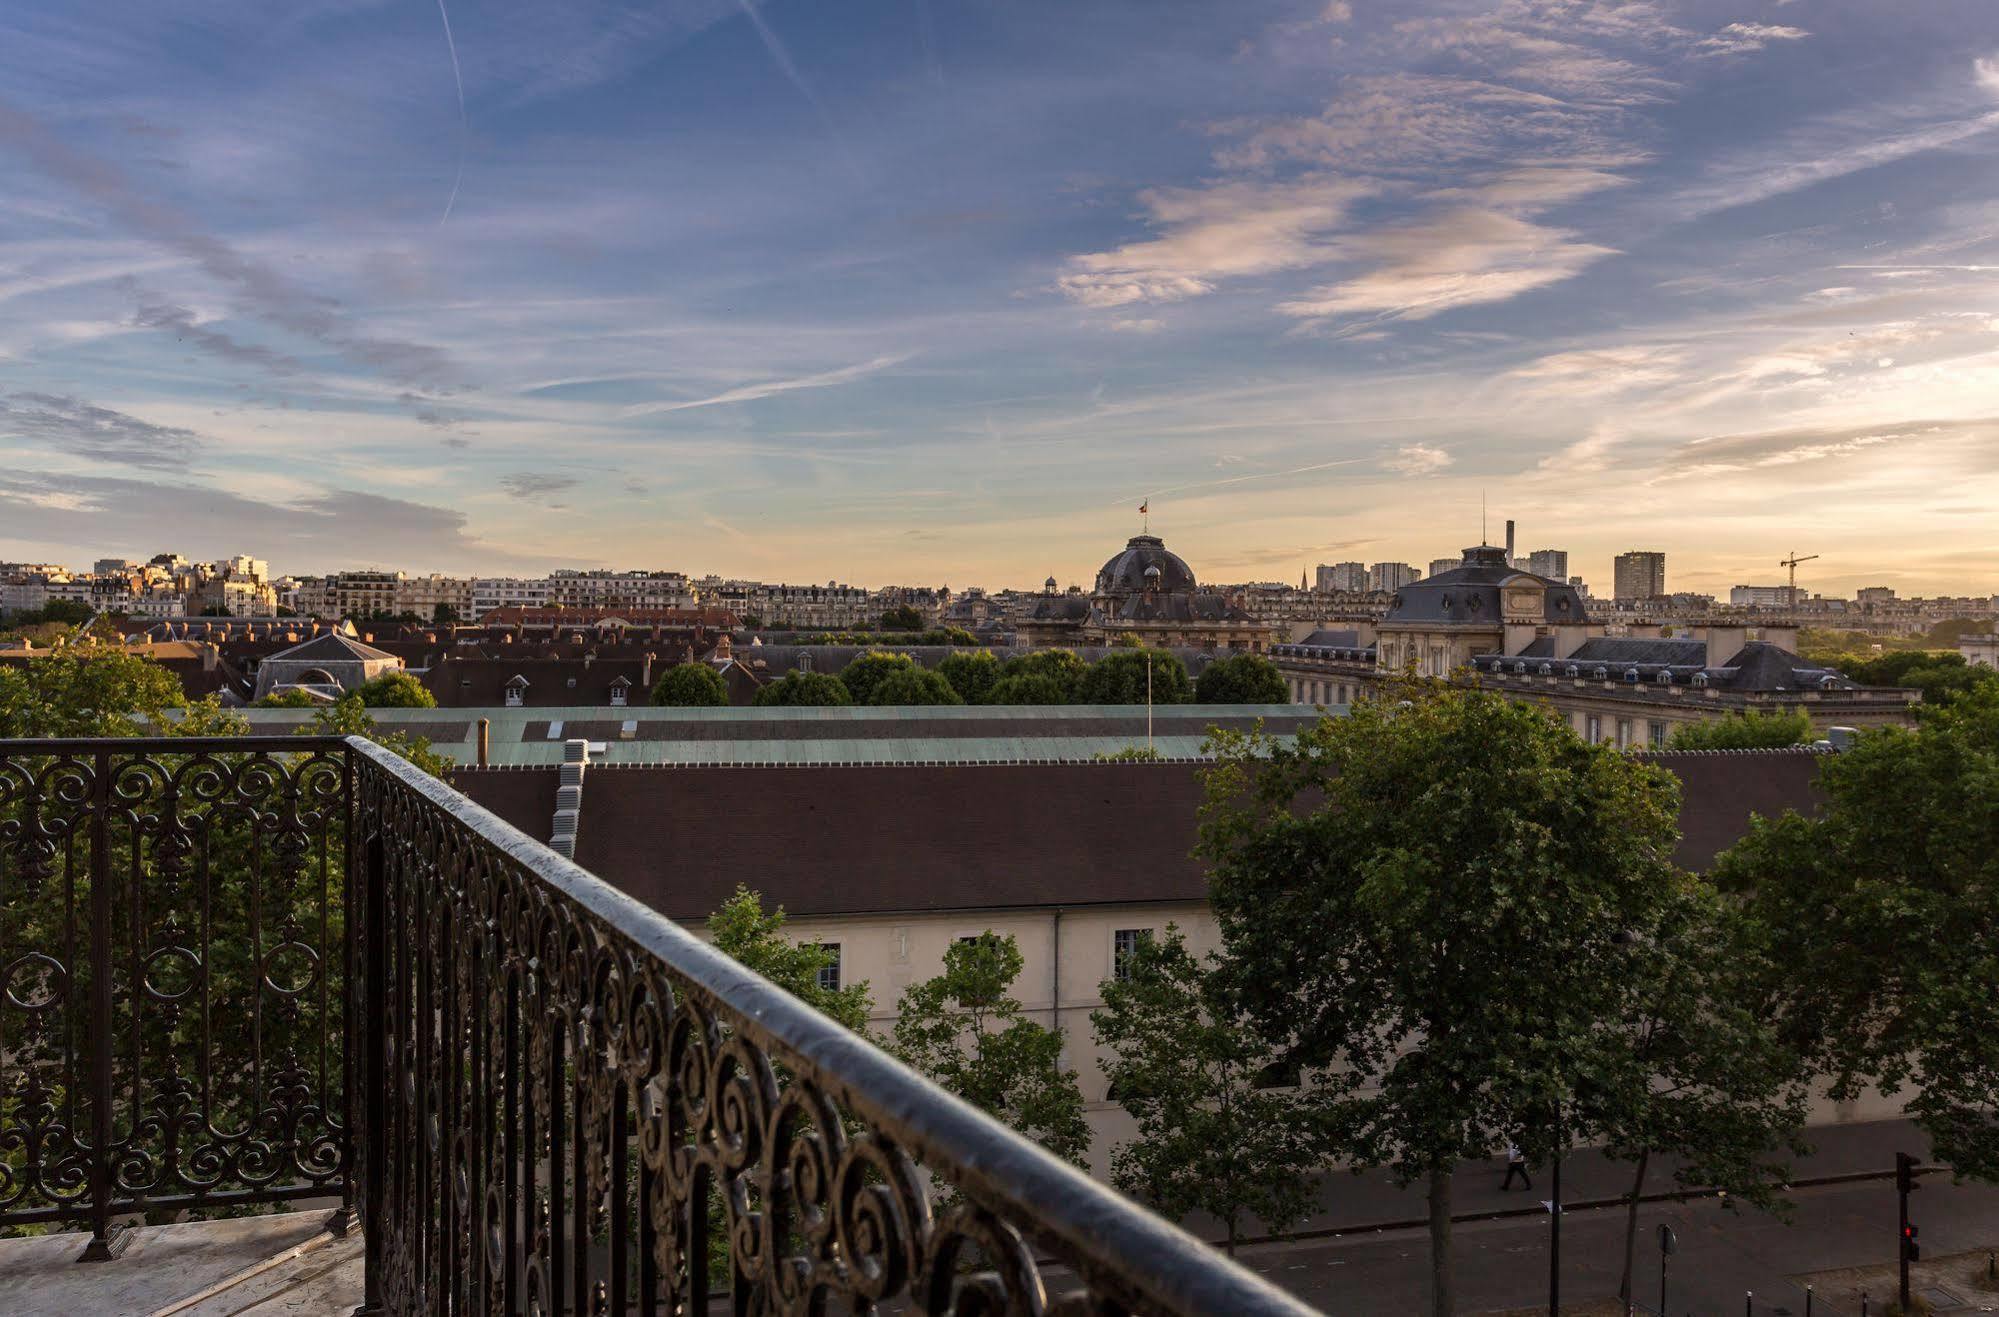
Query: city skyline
pixel 927 293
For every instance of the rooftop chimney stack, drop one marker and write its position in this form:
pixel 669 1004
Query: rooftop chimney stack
pixel 1509 541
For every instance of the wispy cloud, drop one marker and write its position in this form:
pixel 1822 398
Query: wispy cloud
pixel 73 428
pixel 1745 38
pixel 1418 460
pixel 536 486
pixel 770 388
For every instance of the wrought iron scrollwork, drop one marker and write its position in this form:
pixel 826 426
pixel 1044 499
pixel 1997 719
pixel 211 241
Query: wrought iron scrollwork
pixel 172 986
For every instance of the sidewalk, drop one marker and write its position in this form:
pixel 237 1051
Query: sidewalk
pixel 1371 1200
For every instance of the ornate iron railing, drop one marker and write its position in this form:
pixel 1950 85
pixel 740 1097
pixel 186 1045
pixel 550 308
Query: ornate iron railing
pixel 173 977
pixel 561 1101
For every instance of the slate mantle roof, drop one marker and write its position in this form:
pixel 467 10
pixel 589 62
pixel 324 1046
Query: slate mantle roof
pixel 332 649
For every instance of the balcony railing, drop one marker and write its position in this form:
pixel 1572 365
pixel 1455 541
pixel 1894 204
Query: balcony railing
pixel 237 972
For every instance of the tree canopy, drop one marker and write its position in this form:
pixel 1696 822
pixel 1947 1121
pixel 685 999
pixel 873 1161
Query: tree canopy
pixel 805 688
pixel 1242 679
pixel 745 931
pixel 914 685
pixel 1881 911
pixel 395 690
pixel 866 671
pixel 1754 730
pixel 690 686
pixel 1119 678
pixel 1222 1127
pixel 973 675
pixel 964 1030
pixel 902 618
pixel 1063 667
pixel 1030 688
pixel 1432 901
pixel 86 690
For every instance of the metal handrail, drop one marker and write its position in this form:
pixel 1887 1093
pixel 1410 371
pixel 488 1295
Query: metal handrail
pixel 1122 1251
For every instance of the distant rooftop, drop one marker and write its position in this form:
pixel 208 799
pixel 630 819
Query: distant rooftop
pixel 944 734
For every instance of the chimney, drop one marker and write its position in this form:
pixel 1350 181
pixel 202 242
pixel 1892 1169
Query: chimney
pixel 1724 643
pixel 1509 541
pixel 485 741
pixel 645 671
pixel 722 646
pixel 210 656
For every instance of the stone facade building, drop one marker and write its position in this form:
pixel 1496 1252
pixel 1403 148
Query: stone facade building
pixel 1149 592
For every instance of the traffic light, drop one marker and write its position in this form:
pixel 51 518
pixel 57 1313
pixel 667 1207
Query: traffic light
pixel 1910 1248
pixel 1905 1173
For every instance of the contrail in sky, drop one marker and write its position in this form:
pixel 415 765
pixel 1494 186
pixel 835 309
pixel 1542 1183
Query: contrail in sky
pixel 464 126
pixel 782 58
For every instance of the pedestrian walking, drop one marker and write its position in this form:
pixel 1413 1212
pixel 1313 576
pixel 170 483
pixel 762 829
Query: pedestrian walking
pixel 1516 1164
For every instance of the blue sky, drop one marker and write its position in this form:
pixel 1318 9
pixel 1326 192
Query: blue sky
pixel 938 291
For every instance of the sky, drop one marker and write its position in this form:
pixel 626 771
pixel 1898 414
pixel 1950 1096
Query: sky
pixel 939 291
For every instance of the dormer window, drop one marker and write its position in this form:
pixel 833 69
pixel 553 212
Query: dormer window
pixel 1699 679
pixel 1573 671
pixel 1829 682
pixel 1521 667
pixel 1603 674
pixel 1664 678
pixel 1547 669
pixel 1631 675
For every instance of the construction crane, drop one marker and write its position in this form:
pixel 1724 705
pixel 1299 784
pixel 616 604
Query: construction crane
pixel 1792 563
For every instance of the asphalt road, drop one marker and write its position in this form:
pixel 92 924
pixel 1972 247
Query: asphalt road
pixel 1723 1255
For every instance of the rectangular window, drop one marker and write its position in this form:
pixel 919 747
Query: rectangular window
pixel 1624 733
pixel 829 973
pixel 618 696
pixel 1125 943
pixel 1657 733
pixel 1594 734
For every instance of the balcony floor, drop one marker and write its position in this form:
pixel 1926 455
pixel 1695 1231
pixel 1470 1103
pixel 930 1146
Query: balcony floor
pixel 259 1266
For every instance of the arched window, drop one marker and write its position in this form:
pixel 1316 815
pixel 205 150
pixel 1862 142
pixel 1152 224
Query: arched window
pixel 1700 679
pixel 1664 678
pixel 1631 675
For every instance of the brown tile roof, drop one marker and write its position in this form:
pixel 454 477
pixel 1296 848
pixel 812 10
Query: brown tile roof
pixel 846 840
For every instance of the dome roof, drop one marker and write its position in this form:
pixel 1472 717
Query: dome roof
pixel 1145 564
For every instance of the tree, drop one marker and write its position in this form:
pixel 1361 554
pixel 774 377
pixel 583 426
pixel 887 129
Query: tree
pixel 866 671
pixel 1881 912
pixel 86 689
pixel 804 688
pixel 972 675
pixel 1064 666
pixel 902 618
pixel 743 930
pixel 349 717
pixel 1429 901
pixel 1030 688
pixel 443 614
pixel 292 698
pixel 1223 1127
pixel 1753 730
pixel 964 1031
pixel 1119 678
pixel 1706 1076
pixel 1242 679
pixel 395 690
pixel 913 685
pixel 690 686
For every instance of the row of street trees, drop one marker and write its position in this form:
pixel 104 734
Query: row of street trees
pixel 979 676
pixel 1448 924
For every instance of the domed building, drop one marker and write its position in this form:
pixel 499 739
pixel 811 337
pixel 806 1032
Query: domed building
pixel 1148 591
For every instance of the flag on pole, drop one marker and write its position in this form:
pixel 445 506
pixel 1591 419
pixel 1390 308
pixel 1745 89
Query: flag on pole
pixel 1145 506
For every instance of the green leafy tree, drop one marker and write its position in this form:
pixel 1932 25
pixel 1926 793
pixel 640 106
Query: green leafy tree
pixel 1881 912
pixel 805 688
pixel 869 670
pixel 1705 1075
pixel 972 675
pixel 1031 688
pixel 902 618
pixel 964 1031
pixel 349 717
pixel 1064 666
pixel 395 690
pixel 745 931
pixel 690 686
pixel 914 686
pixel 443 614
pixel 1119 678
pixel 1425 902
pixel 1223 1127
pixel 86 690
pixel 1753 730
pixel 1242 679
pixel 294 698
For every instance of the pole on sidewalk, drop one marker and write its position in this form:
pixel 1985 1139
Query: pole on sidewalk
pixel 1749 1303
pixel 1555 1242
